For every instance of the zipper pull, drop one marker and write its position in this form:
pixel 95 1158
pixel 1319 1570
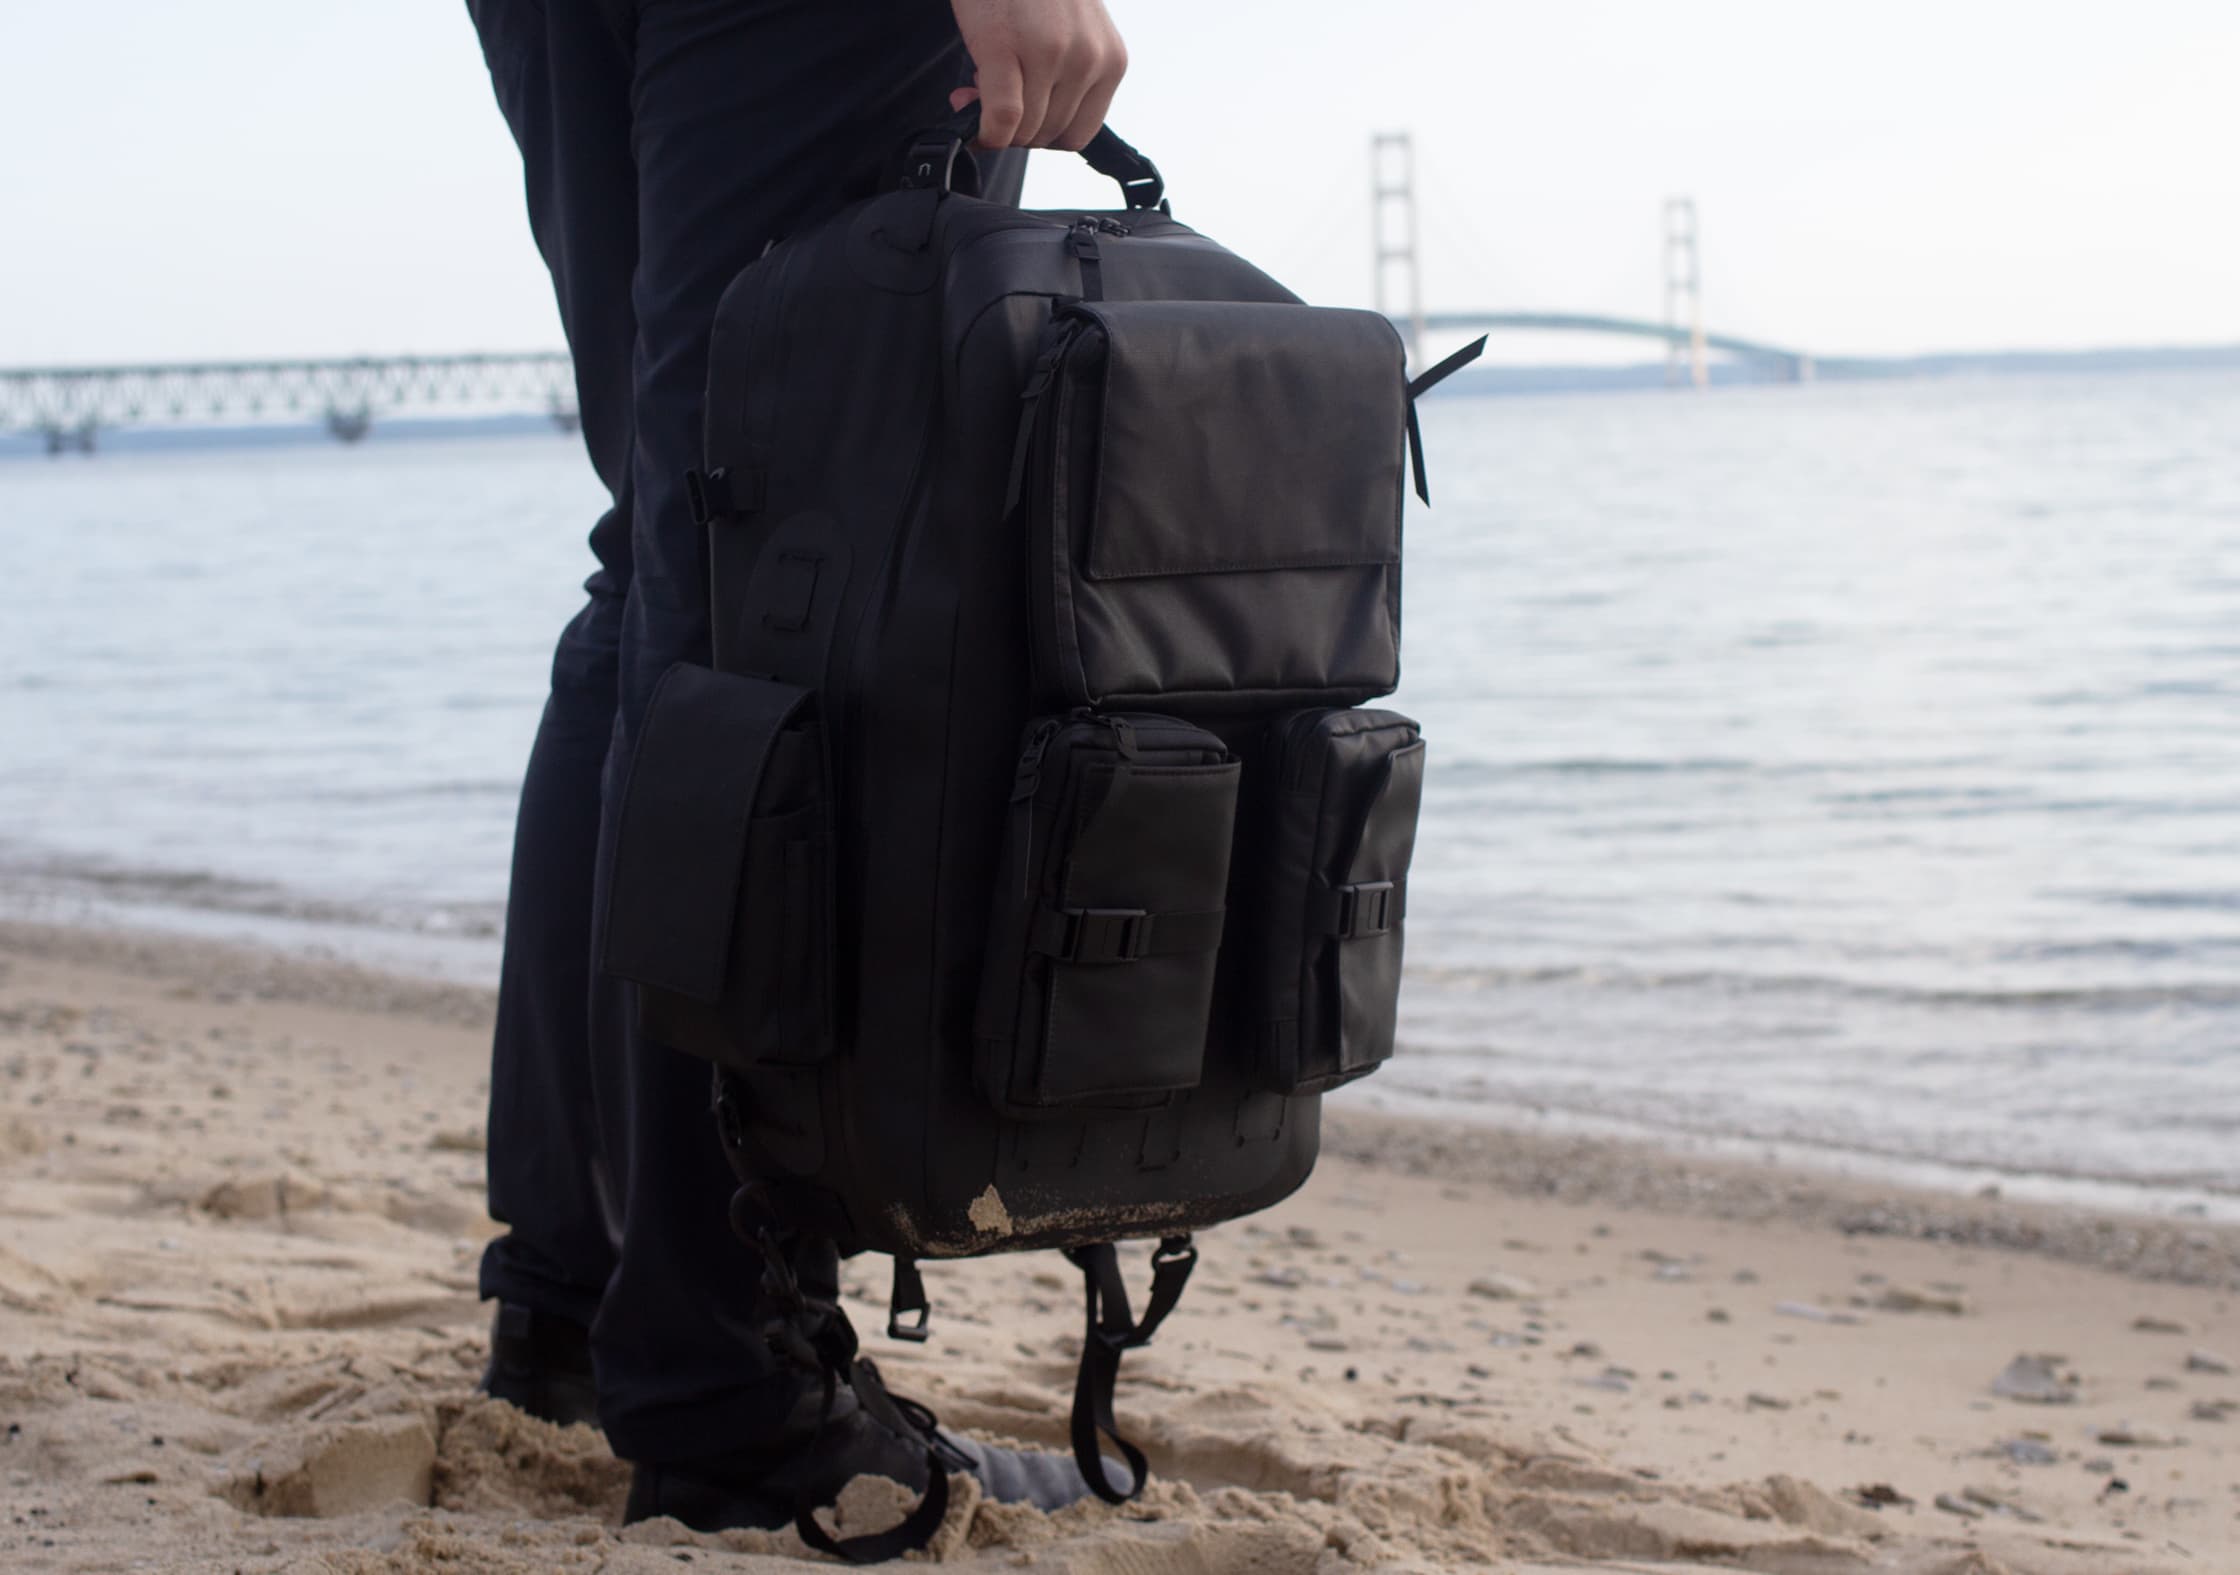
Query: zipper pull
pixel 1112 226
pixel 1028 777
pixel 1081 241
pixel 1024 782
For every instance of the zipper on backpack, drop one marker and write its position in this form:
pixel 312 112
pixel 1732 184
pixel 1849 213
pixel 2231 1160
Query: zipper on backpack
pixel 1081 241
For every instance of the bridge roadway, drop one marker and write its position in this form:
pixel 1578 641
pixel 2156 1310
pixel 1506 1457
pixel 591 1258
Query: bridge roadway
pixel 68 406
pixel 1797 363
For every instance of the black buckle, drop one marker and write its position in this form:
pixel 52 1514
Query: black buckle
pixel 931 163
pixel 1365 910
pixel 1106 935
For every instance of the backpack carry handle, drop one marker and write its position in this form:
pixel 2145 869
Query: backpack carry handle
pixel 930 161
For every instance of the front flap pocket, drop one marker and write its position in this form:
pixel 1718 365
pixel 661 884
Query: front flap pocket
pixel 1216 514
pixel 1108 917
pixel 1346 790
pixel 718 897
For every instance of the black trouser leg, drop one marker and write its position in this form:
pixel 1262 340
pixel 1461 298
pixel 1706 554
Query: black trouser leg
pixel 564 90
pixel 741 119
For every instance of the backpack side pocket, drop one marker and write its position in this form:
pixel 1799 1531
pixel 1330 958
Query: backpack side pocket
pixel 1333 895
pixel 1108 914
pixel 719 898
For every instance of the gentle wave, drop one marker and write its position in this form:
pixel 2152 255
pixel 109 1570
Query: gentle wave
pixel 2113 998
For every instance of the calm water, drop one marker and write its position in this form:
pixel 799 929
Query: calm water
pixel 1856 765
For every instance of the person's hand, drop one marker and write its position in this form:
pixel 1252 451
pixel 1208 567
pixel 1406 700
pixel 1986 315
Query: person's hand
pixel 1046 70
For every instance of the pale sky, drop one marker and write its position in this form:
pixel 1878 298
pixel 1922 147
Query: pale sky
pixel 301 177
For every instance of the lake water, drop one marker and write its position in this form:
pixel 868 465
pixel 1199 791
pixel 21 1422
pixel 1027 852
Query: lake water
pixel 1854 765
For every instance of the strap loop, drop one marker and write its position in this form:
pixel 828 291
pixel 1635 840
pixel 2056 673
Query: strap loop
pixel 1423 385
pixel 1110 1332
pixel 908 1296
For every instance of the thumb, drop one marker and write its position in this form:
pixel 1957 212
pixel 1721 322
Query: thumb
pixel 964 96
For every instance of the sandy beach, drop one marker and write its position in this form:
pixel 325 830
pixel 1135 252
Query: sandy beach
pixel 240 1211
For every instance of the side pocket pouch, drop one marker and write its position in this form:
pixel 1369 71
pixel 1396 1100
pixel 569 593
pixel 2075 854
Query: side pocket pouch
pixel 1343 804
pixel 719 899
pixel 1108 913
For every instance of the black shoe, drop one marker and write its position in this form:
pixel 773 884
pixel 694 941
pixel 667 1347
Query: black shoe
pixel 542 1364
pixel 761 1489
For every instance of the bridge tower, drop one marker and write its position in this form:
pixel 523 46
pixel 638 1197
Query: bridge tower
pixel 1392 221
pixel 1683 294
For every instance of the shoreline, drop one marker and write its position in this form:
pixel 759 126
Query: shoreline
pixel 1681 1173
pixel 241 1207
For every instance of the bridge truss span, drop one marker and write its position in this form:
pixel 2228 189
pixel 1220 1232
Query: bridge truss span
pixel 70 405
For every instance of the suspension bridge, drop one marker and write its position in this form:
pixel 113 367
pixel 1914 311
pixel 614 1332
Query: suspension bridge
pixel 69 407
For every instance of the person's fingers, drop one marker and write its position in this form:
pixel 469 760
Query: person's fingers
pixel 1034 104
pixel 962 97
pixel 1077 73
pixel 1002 90
pixel 1089 116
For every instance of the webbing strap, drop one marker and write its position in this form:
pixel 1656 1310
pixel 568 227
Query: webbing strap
pixel 1110 1332
pixel 814 1334
pixel 1423 385
pixel 1122 935
pixel 918 1527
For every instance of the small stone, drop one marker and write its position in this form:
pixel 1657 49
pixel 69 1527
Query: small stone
pixel 2214 1410
pixel 2134 1435
pixel 2099 1465
pixel 1718 1315
pixel 2148 1324
pixel 1998 1503
pixel 1500 1287
pixel 2029 1452
pixel 1908 1299
pixel 1812 1313
pixel 1954 1504
pixel 1288 1278
pixel 1764 1402
pixel 2209 1362
pixel 2034 1380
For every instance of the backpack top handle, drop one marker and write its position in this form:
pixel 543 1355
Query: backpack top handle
pixel 930 162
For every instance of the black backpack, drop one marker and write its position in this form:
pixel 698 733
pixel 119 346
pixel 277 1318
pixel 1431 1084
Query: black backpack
pixel 1023 863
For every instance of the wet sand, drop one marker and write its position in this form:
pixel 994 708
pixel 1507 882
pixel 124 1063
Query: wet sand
pixel 240 1209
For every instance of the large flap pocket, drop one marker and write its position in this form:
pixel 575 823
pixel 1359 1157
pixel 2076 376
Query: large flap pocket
pixel 1240 436
pixel 718 898
pixel 1214 504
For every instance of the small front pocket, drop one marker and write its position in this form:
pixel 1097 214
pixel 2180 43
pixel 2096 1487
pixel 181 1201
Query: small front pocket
pixel 1344 791
pixel 1107 917
pixel 1212 494
pixel 719 899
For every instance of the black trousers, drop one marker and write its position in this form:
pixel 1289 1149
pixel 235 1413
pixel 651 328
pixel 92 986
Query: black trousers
pixel 665 143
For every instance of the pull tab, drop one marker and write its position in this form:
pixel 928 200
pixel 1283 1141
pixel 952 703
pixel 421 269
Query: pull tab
pixel 1081 241
pixel 1423 385
pixel 1024 781
pixel 1029 775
